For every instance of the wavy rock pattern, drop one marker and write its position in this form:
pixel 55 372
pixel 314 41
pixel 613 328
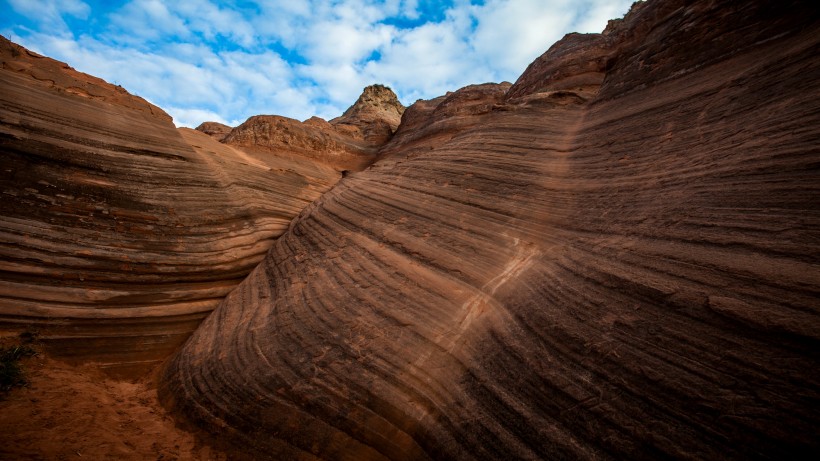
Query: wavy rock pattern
pixel 120 232
pixel 617 259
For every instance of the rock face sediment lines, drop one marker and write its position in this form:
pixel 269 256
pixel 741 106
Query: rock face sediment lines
pixel 120 232
pixel 620 266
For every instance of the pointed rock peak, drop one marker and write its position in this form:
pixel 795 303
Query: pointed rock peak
pixel 375 100
pixel 379 96
pixel 374 117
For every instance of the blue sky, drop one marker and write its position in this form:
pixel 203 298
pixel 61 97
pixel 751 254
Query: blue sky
pixel 226 60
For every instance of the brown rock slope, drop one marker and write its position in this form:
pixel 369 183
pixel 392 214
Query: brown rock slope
pixel 120 232
pixel 618 261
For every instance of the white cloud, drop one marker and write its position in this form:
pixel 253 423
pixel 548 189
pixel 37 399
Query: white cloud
pixel 426 62
pixel 146 20
pixel 410 9
pixel 229 60
pixel 345 42
pixel 192 118
pixel 511 34
pixel 213 22
pixel 336 82
pixel 49 13
pixel 596 17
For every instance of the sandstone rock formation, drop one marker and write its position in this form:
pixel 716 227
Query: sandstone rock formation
pixel 349 142
pixel 314 139
pixel 615 258
pixel 214 129
pixel 120 232
pixel 374 117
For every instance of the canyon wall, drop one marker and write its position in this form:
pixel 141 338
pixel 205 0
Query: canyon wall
pixel 616 257
pixel 121 232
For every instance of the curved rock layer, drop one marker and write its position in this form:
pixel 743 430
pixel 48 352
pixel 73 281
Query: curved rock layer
pixel 623 267
pixel 120 232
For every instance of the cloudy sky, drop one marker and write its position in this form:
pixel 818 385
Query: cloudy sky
pixel 226 60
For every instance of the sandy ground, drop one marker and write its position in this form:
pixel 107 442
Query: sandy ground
pixel 76 412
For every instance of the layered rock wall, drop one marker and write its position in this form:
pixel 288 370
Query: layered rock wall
pixel 616 258
pixel 120 232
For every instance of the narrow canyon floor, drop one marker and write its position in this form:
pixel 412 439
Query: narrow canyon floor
pixel 75 412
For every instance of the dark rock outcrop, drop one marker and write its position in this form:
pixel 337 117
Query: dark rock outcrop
pixel 615 259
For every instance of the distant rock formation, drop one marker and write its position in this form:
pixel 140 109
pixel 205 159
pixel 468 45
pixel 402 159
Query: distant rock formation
pixel 120 232
pixel 374 117
pixel 314 139
pixel 614 258
pixel 349 142
pixel 214 129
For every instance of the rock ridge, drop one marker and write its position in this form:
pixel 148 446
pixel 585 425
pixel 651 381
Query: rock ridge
pixel 61 78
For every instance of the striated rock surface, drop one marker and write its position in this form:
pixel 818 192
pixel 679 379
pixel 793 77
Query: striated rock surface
pixel 59 78
pixel 214 129
pixel 615 258
pixel 428 124
pixel 120 232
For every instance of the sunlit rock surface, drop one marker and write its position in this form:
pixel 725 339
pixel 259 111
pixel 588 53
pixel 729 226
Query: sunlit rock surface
pixel 615 258
pixel 373 118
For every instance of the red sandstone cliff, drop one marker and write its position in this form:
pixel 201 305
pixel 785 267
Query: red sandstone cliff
pixel 615 258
